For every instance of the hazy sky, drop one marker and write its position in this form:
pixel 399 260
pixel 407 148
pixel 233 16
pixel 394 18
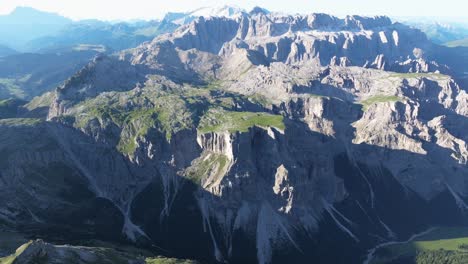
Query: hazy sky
pixel 147 9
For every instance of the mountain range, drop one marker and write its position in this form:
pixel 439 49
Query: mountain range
pixel 440 32
pixel 243 137
pixel 6 51
pixel 48 48
pixel 55 35
pixel 30 30
pixel 24 24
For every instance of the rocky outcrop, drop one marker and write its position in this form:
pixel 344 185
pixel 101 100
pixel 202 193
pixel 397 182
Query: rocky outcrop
pixel 87 83
pixel 38 251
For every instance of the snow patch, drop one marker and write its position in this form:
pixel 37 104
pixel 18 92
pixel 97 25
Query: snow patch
pixel 396 37
pixel 383 37
pixel 220 11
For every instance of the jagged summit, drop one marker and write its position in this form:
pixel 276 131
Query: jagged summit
pixel 216 11
pixel 219 11
pixel 371 42
pixel 26 10
pixel 314 21
pixel 27 15
pixel 258 10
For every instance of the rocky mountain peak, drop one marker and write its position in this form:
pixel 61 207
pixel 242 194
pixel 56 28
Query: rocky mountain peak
pixel 373 42
pixel 367 23
pixel 26 15
pixel 206 12
pixel 258 10
pixel 219 11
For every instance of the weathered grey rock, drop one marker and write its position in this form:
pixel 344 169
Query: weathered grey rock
pixel 293 39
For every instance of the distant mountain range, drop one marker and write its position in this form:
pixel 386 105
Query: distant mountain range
pixel 115 36
pixel 458 43
pixel 25 75
pixel 25 24
pixel 30 30
pixel 41 37
pixel 52 47
pixel 440 32
pixel 5 51
pixel 187 17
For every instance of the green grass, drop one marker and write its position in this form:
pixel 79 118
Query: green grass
pixel 457 43
pixel 103 253
pixel 210 164
pixel 446 242
pixel 10 259
pixel 104 111
pixel 161 260
pixel 147 32
pixel 138 122
pixel 418 75
pixel 260 99
pixel 217 120
pixel 10 241
pixel 40 101
pixel 378 99
pixel 212 85
pixel 11 88
pixel 169 114
pixel 20 121
pixel 86 47
pixel 445 233
pixel 168 111
pixel 9 107
pixel 5 103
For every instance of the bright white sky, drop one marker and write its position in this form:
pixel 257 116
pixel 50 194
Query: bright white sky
pixel 150 9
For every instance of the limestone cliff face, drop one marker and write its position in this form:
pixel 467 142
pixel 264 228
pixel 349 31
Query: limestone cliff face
pixel 359 41
pixel 257 190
